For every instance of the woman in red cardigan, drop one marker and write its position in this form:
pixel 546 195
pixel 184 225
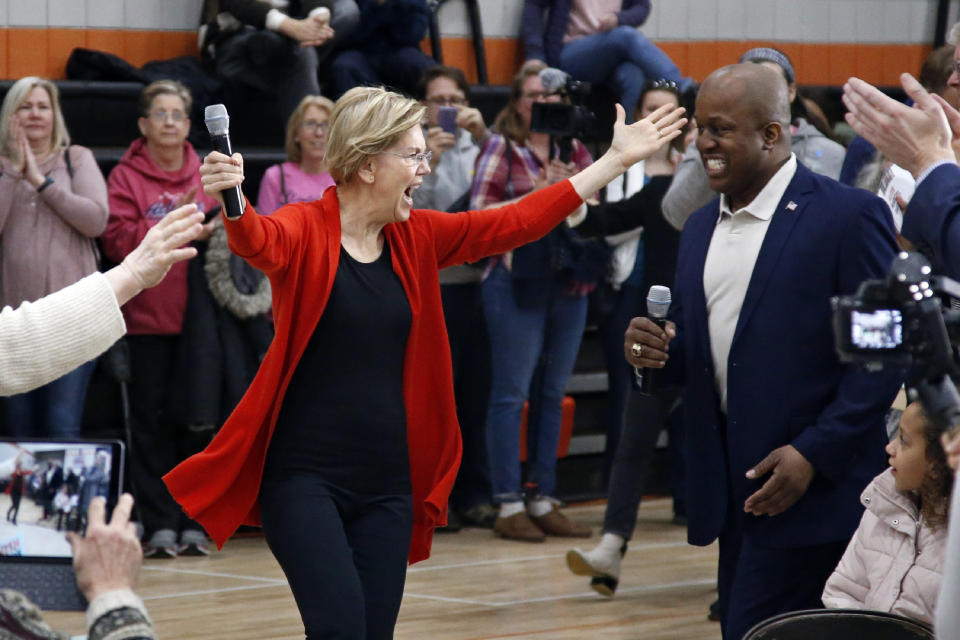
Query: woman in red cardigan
pixel 346 444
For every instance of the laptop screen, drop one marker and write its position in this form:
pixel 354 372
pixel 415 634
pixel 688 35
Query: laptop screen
pixel 45 489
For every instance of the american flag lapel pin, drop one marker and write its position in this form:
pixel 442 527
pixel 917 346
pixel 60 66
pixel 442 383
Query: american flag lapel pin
pixel 792 206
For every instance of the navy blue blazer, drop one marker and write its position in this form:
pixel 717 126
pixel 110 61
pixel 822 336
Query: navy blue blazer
pixel 786 384
pixel 931 221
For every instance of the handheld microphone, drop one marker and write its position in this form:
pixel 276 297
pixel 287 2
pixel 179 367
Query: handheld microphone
pixel 658 303
pixel 218 125
pixel 553 80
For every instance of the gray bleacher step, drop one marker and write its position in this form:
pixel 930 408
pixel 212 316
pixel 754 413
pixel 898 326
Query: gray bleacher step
pixel 587 444
pixel 588 382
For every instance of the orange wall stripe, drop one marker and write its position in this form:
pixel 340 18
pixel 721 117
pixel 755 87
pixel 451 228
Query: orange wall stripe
pixel 44 52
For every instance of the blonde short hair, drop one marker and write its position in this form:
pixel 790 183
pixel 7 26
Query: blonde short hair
pixel 365 122
pixel 164 88
pixel 59 138
pixel 294 152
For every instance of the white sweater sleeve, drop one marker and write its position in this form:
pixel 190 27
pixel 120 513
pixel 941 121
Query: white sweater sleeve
pixel 41 341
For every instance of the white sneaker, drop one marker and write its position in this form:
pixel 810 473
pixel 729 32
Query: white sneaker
pixel 602 563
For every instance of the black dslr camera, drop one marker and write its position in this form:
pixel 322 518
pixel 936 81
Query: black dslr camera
pixel 564 120
pixel 907 321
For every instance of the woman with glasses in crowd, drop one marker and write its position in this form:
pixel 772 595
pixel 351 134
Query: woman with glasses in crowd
pixel 157 174
pixel 53 203
pixel 346 444
pixel 304 176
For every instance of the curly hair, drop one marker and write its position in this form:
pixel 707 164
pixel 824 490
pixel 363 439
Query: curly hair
pixel 938 480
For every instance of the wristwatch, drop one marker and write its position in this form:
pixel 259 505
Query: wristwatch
pixel 46 183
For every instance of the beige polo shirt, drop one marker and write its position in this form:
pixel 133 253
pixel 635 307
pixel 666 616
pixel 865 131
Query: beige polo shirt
pixel 732 254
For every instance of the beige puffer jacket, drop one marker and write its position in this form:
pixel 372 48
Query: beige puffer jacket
pixel 894 561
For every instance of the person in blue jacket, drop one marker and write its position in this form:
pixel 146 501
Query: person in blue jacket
pixel 781 437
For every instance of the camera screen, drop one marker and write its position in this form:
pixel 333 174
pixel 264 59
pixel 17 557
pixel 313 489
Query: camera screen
pixel 880 329
pixel 45 489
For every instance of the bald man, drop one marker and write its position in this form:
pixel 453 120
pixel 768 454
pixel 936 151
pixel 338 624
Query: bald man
pixel 781 437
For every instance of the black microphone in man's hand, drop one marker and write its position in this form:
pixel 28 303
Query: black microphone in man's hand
pixel 218 125
pixel 658 303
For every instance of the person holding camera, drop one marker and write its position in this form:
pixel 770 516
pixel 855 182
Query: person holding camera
pixel 535 315
pixel 781 436
pixel 276 46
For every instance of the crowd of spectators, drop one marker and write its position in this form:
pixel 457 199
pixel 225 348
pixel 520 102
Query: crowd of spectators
pixel 515 321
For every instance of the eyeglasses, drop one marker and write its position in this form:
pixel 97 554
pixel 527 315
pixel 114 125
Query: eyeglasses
pixel 535 95
pixel 161 115
pixel 312 126
pixel 414 158
pixel 663 83
pixel 956 67
pixel 442 101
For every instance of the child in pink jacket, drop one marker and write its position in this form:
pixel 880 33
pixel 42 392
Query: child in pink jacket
pixel 894 561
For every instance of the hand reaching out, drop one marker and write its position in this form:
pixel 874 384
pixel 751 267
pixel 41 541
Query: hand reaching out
pixel 634 142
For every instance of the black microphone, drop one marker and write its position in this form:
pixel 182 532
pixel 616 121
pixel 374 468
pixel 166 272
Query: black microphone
pixel 218 125
pixel 658 303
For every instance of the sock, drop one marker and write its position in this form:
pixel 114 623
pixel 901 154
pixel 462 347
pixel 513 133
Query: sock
pixel 508 509
pixel 611 542
pixel 540 507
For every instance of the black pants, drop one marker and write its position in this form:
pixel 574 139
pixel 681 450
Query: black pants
pixel 14 508
pixel 344 554
pixel 158 444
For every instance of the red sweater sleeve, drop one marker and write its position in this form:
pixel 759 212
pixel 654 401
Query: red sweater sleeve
pixel 472 235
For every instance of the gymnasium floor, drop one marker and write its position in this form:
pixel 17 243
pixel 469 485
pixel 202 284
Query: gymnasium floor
pixel 474 587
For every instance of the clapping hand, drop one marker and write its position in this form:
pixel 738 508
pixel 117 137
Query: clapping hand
pixel 24 162
pixel 912 137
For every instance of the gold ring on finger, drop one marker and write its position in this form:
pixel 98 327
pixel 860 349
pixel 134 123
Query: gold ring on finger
pixel 636 350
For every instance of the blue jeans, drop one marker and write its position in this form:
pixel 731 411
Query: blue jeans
pixel 623 59
pixel 542 339
pixel 54 410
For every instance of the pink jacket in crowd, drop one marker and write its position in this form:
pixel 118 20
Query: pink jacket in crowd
pixel 140 195
pixel 894 561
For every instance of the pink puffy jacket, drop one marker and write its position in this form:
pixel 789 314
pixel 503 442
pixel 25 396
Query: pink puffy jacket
pixel 894 561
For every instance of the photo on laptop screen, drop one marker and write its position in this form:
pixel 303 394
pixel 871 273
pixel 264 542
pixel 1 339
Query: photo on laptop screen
pixel 45 489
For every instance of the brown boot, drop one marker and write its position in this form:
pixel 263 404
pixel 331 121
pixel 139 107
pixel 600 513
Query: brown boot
pixel 519 526
pixel 554 523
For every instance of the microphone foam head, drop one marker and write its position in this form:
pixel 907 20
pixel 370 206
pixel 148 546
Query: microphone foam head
pixel 553 80
pixel 216 118
pixel 658 301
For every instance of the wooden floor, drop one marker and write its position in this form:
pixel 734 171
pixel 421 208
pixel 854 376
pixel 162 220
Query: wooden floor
pixel 474 587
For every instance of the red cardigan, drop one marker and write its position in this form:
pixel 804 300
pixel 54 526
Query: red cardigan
pixel 298 247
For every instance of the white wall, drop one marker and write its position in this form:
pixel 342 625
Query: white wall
pixel 850 21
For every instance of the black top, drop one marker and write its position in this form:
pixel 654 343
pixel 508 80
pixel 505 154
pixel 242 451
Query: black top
pixel 661 242
pixel 343 415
